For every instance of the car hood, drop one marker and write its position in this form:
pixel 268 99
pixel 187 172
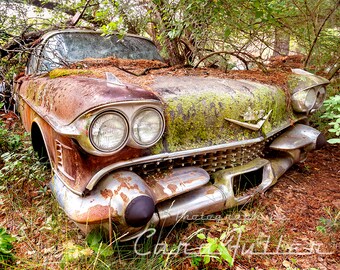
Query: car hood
pixel 61 100
pixel 200 110
pixel 208 111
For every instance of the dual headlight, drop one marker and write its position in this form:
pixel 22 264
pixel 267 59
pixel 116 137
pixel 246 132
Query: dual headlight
pixel 110 131
pixel 308 100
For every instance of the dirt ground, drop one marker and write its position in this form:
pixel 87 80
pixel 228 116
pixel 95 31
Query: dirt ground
pixel 307 199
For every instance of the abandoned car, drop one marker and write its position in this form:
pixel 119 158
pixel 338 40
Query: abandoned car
pixel 135 143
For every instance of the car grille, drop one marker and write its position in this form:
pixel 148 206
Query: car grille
pixel 211 161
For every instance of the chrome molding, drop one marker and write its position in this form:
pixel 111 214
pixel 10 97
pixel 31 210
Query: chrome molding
pixel 254 127
pixel 180 154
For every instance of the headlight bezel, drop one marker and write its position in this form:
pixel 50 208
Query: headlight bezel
pixel 81 126
pixel 123 141
pixel 135 141
pixel 299 99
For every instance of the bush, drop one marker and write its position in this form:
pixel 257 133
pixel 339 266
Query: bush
pixel 332 113
pixel 6 246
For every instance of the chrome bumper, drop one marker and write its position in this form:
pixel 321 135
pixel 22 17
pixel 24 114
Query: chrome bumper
pixel 125 200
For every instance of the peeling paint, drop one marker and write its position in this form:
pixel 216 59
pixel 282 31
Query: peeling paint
pixel 106 193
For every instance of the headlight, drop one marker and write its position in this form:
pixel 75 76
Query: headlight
pixel 320 97
pixel 308 100
pixel 109 131
pixel 147 126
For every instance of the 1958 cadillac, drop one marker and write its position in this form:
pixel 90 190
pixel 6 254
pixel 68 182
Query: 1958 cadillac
pixel 134 143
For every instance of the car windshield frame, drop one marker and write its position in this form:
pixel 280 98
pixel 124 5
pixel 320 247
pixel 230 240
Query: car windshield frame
pixel 65 48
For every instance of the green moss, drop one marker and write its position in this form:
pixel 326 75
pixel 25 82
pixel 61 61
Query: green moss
pixel 157 148
pixel 198 120
pixel 60 72
pixel 298 82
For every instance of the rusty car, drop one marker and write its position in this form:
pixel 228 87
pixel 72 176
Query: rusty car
pixel 134 143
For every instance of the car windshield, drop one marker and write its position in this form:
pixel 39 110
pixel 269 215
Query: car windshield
pixel 65 48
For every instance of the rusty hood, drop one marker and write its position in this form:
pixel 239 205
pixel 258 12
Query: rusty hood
pixel 61 100
pixel 202 106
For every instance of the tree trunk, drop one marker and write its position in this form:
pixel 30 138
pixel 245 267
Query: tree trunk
pixel 281 43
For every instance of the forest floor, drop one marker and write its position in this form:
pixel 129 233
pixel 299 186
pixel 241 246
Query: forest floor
pixel 294 225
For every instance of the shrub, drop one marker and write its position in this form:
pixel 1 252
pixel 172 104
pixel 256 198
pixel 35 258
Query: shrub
pixel 332 113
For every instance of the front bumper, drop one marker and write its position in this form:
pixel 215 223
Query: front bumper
pixel 124 202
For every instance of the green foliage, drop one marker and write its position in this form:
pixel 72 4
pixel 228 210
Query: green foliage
pixel 114 27
pixel 332 113
pixel 188 30
pixel 18 159
pixel 95 250
pixel 330 222
pixel 9 141
pixel 214 248
pixel 21 165
pixel 6 246
pixel 95 242
pixel 75 253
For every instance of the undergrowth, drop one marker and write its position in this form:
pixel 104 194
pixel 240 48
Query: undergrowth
pixel 327 118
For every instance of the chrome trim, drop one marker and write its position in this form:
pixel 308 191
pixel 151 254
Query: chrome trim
pixel 126 135
pixel 168 156
pixel 298 71
pixel 310 87
pixel 212 198
pixel 55 32
pixel 127 109
pixel 57 174
pixel 254 127
pixel 299 136
pixel 71 130
pixel 133 141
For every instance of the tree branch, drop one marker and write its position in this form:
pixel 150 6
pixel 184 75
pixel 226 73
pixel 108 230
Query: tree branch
pixel 65 9
pixel 237 55
pixel 318 34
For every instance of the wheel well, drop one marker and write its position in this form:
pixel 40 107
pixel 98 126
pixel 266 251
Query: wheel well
pixel 38 143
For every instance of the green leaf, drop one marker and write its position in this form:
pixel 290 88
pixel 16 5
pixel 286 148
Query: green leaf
pixel 332 141
pixel 206 249
pixel 93 238
pixel 223 236
pixel 201 236
pixel 227 32
pixel 104 250
pixel 206 259
pixel 225 254
pixel 6 241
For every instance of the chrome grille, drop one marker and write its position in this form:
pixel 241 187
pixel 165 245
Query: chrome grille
pixel 211 161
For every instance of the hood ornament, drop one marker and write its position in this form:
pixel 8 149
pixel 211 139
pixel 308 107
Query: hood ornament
pixel 112 79
pixel 252 116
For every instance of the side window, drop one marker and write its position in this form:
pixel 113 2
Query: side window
pixel 33 62
pixel 53 54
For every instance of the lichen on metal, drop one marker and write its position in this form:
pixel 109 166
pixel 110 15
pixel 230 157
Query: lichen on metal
pixel 61 72
pixel 196 109
pixel 302 80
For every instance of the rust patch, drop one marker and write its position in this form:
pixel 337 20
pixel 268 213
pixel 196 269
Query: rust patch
pixel 124 197
pixel 211 190
pixel 106 193
pixel 95 214
pixel 172 187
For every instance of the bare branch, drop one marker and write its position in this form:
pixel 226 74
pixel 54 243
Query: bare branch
pixel 318 33
pixel 237 55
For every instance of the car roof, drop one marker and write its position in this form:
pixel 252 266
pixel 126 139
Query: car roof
pixel 55 32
